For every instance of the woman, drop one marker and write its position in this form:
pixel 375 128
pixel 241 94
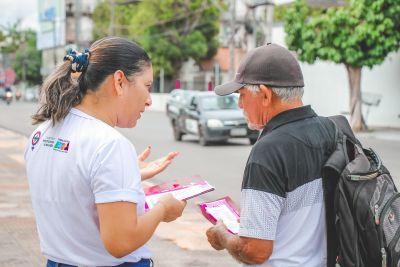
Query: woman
pixel 84 176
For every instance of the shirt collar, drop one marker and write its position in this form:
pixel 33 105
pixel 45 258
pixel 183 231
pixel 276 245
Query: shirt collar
pixel 289 116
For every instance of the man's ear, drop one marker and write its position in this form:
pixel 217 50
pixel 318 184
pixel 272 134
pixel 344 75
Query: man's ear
pixel 266 94
pixel 118 77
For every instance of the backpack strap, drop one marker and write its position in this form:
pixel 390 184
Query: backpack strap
pixel 343 125
pixel 331 171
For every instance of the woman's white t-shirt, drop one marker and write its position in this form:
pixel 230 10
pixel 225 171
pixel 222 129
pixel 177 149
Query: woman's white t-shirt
pixel 71 167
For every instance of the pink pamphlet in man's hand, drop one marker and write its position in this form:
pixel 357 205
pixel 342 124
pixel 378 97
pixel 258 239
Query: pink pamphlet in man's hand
pixel 182 189
pixel 222 209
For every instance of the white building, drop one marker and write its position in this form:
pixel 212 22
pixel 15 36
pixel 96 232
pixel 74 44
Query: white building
pixel 326 83
pixel 63 24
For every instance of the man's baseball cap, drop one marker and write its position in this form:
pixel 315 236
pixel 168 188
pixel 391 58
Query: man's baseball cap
pixel 270 64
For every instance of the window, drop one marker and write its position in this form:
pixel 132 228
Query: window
pixel 218 102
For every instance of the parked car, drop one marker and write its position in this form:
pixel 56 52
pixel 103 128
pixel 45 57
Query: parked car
pixel 210 117
pixel 177 100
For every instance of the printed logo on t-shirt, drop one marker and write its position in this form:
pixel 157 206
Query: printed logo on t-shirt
pixel 57 144
pixel 61 145
pixel 49 141
pixel 35 139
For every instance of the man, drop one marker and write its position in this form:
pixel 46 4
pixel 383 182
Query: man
pixel 282 208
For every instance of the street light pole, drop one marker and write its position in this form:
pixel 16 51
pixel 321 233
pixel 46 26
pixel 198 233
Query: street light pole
pixel 232 41
pixel 269 21
pixel 78 17
pixel 54 42
pixel 269 13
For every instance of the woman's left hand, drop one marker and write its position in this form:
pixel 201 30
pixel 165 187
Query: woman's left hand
pixel 150 169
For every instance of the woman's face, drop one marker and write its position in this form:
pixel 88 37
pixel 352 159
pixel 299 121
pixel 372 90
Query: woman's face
pixel 135 98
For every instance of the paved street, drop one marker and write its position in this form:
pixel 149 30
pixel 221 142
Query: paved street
pixel 181 243
pixel 221 164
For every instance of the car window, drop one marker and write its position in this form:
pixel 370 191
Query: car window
pixel 186 98
pixel 217 102
pixel 180 96
pixel 176 96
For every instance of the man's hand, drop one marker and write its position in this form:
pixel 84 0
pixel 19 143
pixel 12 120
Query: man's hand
pixel 243 249
pixel 214 235
pixel 150 169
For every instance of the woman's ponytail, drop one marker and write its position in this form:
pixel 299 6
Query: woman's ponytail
pixel 60 91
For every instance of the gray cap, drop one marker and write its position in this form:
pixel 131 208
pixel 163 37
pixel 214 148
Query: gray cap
pixel 270 64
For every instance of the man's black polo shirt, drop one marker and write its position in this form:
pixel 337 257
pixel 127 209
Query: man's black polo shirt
pixel 282 197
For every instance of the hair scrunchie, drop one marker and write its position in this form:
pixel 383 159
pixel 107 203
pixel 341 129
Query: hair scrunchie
pixel 79 61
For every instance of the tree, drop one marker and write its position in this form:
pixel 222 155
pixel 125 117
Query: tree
pixel 28 60
pixel 11 37
pixel 360 33
pixel 20 46
pixel 172 31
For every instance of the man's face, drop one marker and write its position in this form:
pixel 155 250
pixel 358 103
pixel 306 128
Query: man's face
pixel 251 103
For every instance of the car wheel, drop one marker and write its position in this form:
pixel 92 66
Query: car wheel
pixel 252 140
pixel 177 132
pixel 202 140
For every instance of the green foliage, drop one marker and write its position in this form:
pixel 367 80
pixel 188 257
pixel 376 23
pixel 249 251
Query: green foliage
pixel 101 18
pixel 28 60
pixel 20 46
pixel 11 37
pixel 172 31
pixel 361 33
pixel 281 10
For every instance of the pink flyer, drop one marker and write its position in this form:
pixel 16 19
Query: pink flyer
pixel 222 209
pixel 182 189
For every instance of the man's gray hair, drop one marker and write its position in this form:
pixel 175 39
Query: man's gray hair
pixel 285 93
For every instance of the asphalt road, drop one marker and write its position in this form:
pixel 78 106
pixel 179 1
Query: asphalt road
pixel 220 164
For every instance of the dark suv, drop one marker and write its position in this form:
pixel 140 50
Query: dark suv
pixel 210 117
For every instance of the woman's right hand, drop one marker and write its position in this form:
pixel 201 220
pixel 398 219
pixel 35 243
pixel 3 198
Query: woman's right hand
pixel 173 207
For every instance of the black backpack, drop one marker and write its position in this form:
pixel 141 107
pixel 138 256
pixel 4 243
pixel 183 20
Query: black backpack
pixel 362 205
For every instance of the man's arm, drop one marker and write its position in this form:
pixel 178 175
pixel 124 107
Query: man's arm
pixel 244 249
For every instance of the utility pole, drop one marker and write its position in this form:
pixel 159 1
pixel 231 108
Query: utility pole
pixel 268 16
pixel 162 80
pixel 232 40
pixel 54 42
pixel 24 61
pixel 78 15
pixel 269 10
pixel 217 74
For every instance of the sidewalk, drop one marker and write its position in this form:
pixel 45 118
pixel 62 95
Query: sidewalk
pixel 181 243
pixel 382 133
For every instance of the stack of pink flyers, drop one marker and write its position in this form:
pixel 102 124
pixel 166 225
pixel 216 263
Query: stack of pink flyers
pixel 182 189
pixel 222 209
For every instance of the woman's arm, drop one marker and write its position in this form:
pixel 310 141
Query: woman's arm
pixel 122 231
pixel 150 169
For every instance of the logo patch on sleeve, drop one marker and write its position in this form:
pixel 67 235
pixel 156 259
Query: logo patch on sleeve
pixel 35 139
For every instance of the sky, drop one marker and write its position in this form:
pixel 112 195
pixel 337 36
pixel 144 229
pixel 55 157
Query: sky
pixel 12 10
